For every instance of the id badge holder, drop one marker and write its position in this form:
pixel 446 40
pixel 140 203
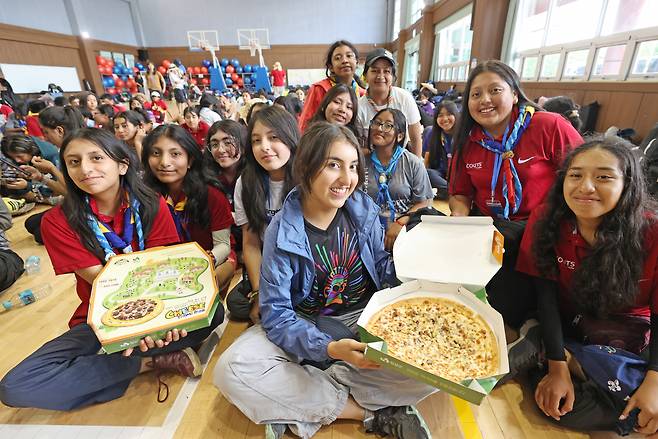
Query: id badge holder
pixel 495 208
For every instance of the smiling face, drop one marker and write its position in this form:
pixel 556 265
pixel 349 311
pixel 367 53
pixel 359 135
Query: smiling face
pixel 169 162
pixel 269 151
pixel 224 149
pixel 123 129
pixel 490 102
pixel 343 63
pixel 445 120
pixel 382 130
pixel 337 179
pixel 380 76
pixel 340 110
pixel 91 169
pixel 593 184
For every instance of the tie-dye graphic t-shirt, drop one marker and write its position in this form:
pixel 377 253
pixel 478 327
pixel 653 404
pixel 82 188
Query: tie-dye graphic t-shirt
pixel 341 281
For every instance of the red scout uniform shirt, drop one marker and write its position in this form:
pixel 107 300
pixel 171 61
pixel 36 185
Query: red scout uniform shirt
pixel 200 134
pixel 68 254
pixel 314 98
pixel 537 156
pixel 570 251
pixel 220 219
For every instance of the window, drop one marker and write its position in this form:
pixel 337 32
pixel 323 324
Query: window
pixel 608 60
pixel 396 19
pixel 583 39
pixel 452 47
pixel 415 10
pixel 529 67
pixel 646 58
pixel 550 65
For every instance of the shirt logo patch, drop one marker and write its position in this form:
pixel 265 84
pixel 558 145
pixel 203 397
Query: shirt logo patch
pixel 522 161
pixel 477 165
pixel 571 265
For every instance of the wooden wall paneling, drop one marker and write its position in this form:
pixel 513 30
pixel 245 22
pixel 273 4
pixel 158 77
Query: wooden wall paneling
pixel 622 111
pixel 489 18
pixel 647 115
pixel 603 98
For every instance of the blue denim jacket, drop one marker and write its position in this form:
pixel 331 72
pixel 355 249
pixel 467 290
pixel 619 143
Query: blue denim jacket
pixel 287 272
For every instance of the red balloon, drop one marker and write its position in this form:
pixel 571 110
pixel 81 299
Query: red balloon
pixel 197 70
pixel 166 63
pixel 193 81
pixel 101 68
pixel 190 70
pixel 162 69
pixel 204 70
pixel 108 70
pixel 119 83
pixel 230 69
pixel 133 90
pixel 130 83
pixel 112 91
pixel 205 81
pixel 234 77
pixel 109 62
pixel 135 69
pixel 240 82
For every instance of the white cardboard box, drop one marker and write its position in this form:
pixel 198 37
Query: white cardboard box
pixel 448 257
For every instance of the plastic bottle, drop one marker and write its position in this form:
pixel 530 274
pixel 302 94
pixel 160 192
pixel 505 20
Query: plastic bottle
pixel 32 265
pixel 25 297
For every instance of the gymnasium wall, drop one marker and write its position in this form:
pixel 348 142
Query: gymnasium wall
pixel 291 22
pixel 48 16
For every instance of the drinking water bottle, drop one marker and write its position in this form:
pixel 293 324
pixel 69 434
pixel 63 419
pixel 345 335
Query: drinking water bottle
pixel 26 297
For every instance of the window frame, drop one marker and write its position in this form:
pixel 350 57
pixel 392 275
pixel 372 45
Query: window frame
pixel 437 69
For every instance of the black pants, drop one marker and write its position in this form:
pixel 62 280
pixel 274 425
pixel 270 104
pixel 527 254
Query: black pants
pixel 33 226
pixel 11 268
pixel 510 292
pixel 593 408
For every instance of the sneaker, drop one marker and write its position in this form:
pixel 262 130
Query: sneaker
pixel 185 362
pixel 274 431
pixel 400 422
pixel 524 352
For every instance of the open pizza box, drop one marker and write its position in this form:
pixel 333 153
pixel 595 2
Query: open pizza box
pixel 150 292
pixel 451 258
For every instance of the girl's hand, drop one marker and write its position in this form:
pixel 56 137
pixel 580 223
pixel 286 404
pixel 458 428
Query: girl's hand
pixel 254 314
pixel 140 134
pixel 148 343
pixel 17 184
pixel 646 399
pixel 391 235
pixel 350 351
pixel 35 175
pixel 552 389
pixel 43 165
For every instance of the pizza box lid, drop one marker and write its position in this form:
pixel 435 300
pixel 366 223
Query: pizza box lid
pixel 180 278
pixel 472 390
pixel 458 250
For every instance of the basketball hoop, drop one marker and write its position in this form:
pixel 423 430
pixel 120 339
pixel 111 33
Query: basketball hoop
pixel 253 46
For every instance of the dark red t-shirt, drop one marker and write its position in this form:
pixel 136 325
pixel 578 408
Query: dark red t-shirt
pixel 537 156
pixel 67 253
pixel 200 134
pixel 572 249
pixel 220 219
pixel 33 126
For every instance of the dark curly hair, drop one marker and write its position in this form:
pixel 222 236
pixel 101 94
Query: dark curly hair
pixel 607 280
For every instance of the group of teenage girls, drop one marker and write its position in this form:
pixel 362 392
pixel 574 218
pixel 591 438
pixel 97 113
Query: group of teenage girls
pixel 318 215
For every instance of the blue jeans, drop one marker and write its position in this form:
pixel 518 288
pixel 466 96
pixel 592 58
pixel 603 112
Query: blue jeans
pixel 436 180
pixel 68 372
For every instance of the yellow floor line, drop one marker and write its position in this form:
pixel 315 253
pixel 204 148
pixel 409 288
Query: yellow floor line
pixel 466 419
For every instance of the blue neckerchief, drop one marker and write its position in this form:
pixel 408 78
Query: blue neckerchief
pixel 505 151
pixel 383 177
pixel 109 240
pixel 178 215
pixel 446 142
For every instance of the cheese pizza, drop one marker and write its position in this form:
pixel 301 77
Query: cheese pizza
pixel 438 335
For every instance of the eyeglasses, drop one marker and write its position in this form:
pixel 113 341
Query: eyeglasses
pixel 227 143
pixel 385 127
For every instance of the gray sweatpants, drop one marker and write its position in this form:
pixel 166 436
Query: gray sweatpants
pixel 270 386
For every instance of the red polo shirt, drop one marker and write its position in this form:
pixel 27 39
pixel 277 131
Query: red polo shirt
pixel 67 253
pixel 200 134
pixel 220 219
pixel 537 156
pixel 572 249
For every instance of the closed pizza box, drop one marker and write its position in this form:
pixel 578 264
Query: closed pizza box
pixel 448 258
pixel 150 292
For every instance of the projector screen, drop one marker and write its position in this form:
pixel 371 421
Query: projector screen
pixel 33 79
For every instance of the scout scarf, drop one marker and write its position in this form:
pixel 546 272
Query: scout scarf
pixel 176 210
pixel 109 239
pixel 384 177
pixel 504 151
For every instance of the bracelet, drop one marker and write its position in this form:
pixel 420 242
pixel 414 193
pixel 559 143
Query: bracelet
pixel 252 296
pixel 399 223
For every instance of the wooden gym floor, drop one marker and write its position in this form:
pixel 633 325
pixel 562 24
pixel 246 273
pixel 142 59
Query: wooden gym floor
pixel 195 408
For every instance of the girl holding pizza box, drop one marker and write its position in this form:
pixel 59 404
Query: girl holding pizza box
pixel 302 367
pixel 107 210
pixel 506 153
pixel 174 167
pixel 592 250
